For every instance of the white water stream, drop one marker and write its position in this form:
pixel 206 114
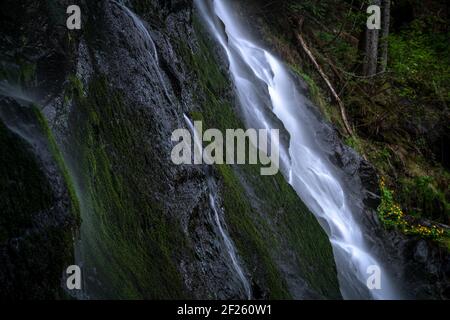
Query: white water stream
pixel 264 86
pixel 231 251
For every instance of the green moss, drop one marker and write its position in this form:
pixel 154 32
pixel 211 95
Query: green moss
pixel 251 233
pixel 21 179
pixel 26 198
pixel 20 71
pixel 272 219
pixel 27 72
pixel 420 61
pixel 57 156
pixel 423 198
pixel 130 239
pixel 75 86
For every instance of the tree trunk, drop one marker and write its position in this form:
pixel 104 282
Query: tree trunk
pixel 370 47
pixel 385 24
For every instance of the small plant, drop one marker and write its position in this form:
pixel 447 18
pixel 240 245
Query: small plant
pixel 392 216
pixel 313 8
pixel 424 197
pixel 432 232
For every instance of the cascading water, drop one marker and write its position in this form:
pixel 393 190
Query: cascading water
pixel 265 88
pixel 230 248
pixel 150 45
pixel 8 90
pixel 94 286
pixel 226 239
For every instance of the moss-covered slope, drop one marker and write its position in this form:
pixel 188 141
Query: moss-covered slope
pixel 273 229
pixel 38 213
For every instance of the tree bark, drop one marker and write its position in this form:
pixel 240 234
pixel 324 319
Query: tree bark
pixel 370 46
pixel 385 25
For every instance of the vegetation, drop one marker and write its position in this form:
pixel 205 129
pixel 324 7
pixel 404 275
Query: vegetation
pixel 132 246
pixel 58 157
pixel 37 222
pixel 35 231
pixel 252 222
pixel 399 116
pixel 392 216
pixel 131 239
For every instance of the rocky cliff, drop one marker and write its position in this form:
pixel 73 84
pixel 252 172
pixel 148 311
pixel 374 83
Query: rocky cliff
pixel 112 94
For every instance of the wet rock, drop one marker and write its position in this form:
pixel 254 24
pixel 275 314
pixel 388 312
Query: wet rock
pixel 37 214
pixel 113 94
pixel 421 251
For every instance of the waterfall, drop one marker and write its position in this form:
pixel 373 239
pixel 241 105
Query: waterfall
pixel 230 248
pixel 22 120
pixel 90 247
pixel 267 91
pixel 226 239
pixel 15 92
pixel 150 46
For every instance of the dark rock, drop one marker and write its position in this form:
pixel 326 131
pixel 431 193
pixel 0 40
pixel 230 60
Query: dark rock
pixel 421 251
pixel 37 214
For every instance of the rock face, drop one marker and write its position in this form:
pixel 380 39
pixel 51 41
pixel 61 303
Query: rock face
pixel 113 93
pixel 419 268
pixel 38 210
pixel 38 215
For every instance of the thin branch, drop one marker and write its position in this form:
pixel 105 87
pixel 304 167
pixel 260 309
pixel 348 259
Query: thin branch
pixel 328 83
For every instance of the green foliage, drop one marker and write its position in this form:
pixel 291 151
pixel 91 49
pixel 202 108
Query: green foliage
pixel 420 62
pixel 355 143
pixel 423 199
pixel 392 216
pixel 317 97
pixel 317 9
pixel 344 53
